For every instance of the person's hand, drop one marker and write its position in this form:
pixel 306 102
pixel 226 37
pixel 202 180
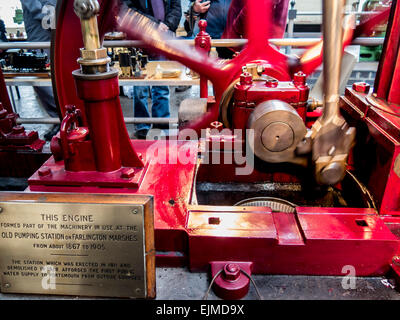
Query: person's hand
pixel 163 27
pixel 201 7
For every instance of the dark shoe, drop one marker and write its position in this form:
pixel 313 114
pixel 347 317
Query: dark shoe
pixel 182 88
pixel 164 126
pixel 52 132
pixel 141 134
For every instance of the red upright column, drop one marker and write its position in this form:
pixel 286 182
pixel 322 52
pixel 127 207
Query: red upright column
pixel 99 93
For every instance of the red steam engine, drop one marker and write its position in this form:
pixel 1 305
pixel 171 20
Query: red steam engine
pixel 322 190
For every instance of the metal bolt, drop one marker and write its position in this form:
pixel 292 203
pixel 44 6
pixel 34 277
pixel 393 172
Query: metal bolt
pixel 271 83
pixel 361 87
pixel 7 285
pixel 299 78
pixel 246 78
pixel 45 171
pixel 231 267
pixel 138 290
pixel 135 211
pixel 231 272
pixel 127 173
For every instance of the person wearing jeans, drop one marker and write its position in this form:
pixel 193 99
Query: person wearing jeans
pixel 167 13
pixel 160 108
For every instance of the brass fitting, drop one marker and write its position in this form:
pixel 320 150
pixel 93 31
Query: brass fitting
pixel 255 70
pixel 95 54
pixel 94 58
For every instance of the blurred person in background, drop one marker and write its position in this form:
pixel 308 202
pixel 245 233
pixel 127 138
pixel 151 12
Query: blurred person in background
pixel 3 36
pixel 3 32
pixel 167 13
pixel 36 13
pixel 215 12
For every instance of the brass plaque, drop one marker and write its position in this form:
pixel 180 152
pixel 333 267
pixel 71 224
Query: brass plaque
pixel 68 245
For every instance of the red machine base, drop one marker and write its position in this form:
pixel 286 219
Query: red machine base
pixel 311 241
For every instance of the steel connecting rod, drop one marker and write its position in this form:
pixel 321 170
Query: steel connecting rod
pixel 331 136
